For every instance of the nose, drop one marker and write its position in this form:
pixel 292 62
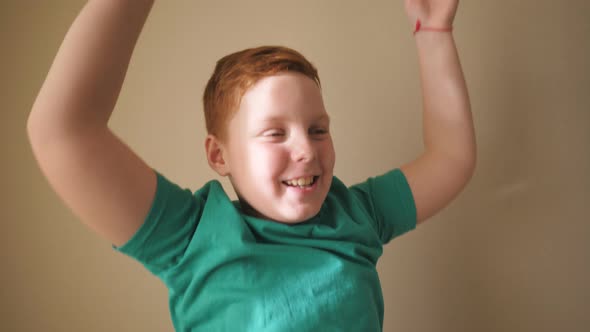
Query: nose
pixel 302 149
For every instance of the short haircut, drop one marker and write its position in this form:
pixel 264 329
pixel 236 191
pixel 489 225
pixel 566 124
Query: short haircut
pixel 235 73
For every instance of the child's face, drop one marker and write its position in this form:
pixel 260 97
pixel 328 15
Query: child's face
pixel 281 134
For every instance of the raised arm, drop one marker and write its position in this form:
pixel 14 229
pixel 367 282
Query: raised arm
pixel 97 176
pixel 449 158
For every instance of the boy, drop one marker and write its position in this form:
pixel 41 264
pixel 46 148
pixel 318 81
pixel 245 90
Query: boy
pixel 298 250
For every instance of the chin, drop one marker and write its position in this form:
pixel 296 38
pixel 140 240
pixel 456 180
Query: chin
pixel 285 215
pixel 298 217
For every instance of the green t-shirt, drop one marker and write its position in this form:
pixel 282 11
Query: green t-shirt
pixel 226 271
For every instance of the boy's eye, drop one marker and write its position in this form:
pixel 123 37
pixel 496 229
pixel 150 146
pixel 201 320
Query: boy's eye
pixel 273 133
pixel 318 131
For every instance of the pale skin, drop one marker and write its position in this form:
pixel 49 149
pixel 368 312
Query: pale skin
pixel 110 188
pixel 279 133
pixel 449 158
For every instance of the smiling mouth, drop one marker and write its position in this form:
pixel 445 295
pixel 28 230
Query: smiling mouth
pixel 302 182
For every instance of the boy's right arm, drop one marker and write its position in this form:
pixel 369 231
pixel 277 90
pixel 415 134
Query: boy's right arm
pixel 99 178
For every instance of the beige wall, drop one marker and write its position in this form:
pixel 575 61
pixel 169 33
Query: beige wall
pixel 512 253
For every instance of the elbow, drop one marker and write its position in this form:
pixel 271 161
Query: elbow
pixel 464 159
pixel 37 132
pixel 463 162
pixel 46 124
pixel 31 128
pixel 39 129
pixel 469 164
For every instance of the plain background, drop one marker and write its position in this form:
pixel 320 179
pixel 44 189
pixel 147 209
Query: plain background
pixel 512 253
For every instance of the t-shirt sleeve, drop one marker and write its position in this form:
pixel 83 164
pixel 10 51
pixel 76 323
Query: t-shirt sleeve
pixel 389 200
pixel 168 228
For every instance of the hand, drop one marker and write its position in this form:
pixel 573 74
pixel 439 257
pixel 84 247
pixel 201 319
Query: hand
pixel 432 13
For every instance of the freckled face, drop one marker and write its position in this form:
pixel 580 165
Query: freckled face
pixel 279 150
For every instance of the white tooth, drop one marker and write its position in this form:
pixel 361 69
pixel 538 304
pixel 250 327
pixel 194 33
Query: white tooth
pixel 300 182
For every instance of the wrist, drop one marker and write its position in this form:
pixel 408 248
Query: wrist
pixel 432 41
pixel 430 27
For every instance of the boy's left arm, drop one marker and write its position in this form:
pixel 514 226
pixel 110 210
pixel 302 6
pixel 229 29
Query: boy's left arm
pixel 448 161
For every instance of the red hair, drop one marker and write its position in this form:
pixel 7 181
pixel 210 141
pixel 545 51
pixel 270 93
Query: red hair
pixel 235 73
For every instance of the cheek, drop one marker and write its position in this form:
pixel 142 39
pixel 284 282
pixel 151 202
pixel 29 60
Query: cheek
pixel 266 161
pixel 328 155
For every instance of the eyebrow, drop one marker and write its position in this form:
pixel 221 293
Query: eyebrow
pixel 322 117
pixel 278 118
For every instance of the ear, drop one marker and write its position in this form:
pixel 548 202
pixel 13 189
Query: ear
pixel 215 155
